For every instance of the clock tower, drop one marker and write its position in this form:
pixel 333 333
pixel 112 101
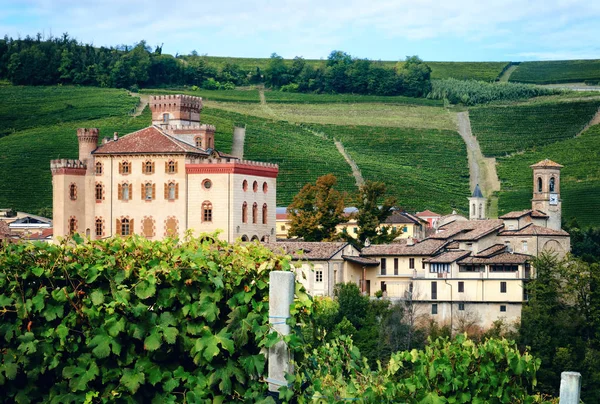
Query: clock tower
pixel 546 191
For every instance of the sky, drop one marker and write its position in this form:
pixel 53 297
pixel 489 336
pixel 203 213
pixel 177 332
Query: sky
pixel 446 30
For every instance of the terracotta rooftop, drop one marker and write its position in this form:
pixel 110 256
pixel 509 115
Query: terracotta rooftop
pixel 504 258
pixel 361 260
pixel 469 230
pixel 281 216
pixel 427 213
pixel 520 213
pixel 546 163
pixel 307 250
pixel 426 247
pixel 448 257
pixel 453 245
pixel 488 252
pixel 401 218
pixel 534 230
pixel 148 141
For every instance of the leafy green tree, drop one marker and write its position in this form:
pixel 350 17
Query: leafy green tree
pixel 373 208
pixel 415 76
pixel 276 72
pixel 316 210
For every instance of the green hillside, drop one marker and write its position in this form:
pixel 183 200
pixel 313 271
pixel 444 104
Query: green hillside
pixel 580 177
pixel 502 130
pixel 559 71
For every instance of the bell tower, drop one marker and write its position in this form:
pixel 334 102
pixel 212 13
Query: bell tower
pixel 477 205
pixel 546 191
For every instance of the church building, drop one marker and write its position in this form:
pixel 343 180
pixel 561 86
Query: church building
pixel 161 181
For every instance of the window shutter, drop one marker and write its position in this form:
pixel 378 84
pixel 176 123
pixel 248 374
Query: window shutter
pixel 153 167
pixel 118 229
pixel 131 227
pixel 166 191
pixel 176 191
pixel 120 168
pixel 144 167
pixel 130 191
pixel 143 195
pixel 175 167
pixel 166 166
pixel 153 191
pixel 120 191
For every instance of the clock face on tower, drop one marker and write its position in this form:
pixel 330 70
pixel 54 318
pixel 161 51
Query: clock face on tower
pixel 553 199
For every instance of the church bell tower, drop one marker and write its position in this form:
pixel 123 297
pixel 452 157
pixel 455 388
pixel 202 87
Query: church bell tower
pixel 546 191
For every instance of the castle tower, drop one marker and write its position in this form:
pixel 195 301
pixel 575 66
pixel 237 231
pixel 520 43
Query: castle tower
pixel 88 142
pixel 546 191
pixel 477 205
pixel 175 110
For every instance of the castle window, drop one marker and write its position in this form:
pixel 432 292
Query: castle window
pixel 207 184
pixel 72 225
pixel 319 276
pixel 502 287
pixel 255 186
pixel 125 227
pixel 265 187
pixel 124 191
pixel 539 184
pixel 166 118
pixel 254 213
pixel 473 210
pixel 481 211
pixel 244 212
pixel 125 167
pixel 171 167
pixel 98 168
pixel 206 211
pixel 264 213
pixel 552 180
pixel 99 227
pixel 245 185
pixel 148 167
pixel 99 192
pixel 73 192
pixel 434 290
pixel 198 141
pixel 461 287
pixel 171 191
pixel 411 263
pixel 171 226
pixel 148 227
pixel 149 192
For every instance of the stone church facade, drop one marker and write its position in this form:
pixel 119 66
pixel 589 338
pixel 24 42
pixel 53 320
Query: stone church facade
pixel 161 181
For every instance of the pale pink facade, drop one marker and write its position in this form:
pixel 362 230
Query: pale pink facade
pixel 162 181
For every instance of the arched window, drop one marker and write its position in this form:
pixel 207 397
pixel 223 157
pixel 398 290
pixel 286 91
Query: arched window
pixel 166 117
pixel 552 180
pixel 244 212
pixel 98 168
pixel 539 184
pixel 198 141
pixel 73 192
pixel 125 167
pixel 99 227
pixel 171 226
pixel 264 214
pixel 473 212
pixel 148 167
pixel 245 185
pixel 125 229
pixel 254 212
pixel 244 238
pixel 124 191
pixel 99 192
pixel 265 187
pixel 481 211
pixel 72 225
pixel 172 194
pixel 148 226
pixel 255 186
pixel 148 191
pixel 206 211
pixel 171 167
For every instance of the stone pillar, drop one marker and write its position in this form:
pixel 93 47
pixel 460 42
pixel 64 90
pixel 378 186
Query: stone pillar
pixel 570 387
pixel 281 296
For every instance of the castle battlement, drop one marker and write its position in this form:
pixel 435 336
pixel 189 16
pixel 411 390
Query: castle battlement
pixel 67 163
pixel 194 126
pixel 162 102
pixel 230 161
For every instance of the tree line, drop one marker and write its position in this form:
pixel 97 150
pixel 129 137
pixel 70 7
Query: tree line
pixel 63 60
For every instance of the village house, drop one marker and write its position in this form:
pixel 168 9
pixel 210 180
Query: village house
pixel 161 181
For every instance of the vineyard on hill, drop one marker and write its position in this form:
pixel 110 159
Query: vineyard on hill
pixel 503 130
pixel 560 71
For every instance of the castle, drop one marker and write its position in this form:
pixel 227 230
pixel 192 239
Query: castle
pixel 161 181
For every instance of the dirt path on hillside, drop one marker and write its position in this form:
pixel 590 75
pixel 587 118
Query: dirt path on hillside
pixel 482 170
pixel 594 121
pixel 144 99
pixel 355 170
pixel 506 75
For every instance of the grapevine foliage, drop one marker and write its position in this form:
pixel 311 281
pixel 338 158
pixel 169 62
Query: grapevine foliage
pixel 129 320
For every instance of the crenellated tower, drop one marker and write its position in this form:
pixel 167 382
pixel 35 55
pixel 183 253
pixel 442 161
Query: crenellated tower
pixel 88 142
pixel 175 110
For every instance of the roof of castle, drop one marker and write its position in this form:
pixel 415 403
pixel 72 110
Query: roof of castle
pixel 520 213
pixel 426 247
pixel 150 140
pixel 546 163
pixel 534 230
pixel 477 192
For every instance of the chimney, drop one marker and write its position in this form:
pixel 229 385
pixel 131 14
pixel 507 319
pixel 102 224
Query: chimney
pixel 105 140
pixel 410 241
pixel 116 136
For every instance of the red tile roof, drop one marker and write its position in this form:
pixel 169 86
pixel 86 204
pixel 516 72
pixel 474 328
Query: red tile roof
pixel 534 230
pixel 469 230
pixel 546 163
pixel 488 252
pixel 148 141
pixel 504 258
pixel 520 213
pixel 361 260
pixel 304 250
pixel 425 247
pixel 448 257
pixel 427 213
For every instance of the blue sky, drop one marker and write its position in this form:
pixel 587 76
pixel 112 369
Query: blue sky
pixel 452 30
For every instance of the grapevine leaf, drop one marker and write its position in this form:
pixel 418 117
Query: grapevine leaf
pixel 115 327
pixel 132 379
pixel 97 297
pixel 53 311
pixel 101 342
pixel 145 289
pixel 5 301
pixel 170 334
pixel 37 271
pixel 10 370
pixel 152 341
pixel 167 319
pixel 170 385
pixel 209 345
pixel 223 338
pixel 62 331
